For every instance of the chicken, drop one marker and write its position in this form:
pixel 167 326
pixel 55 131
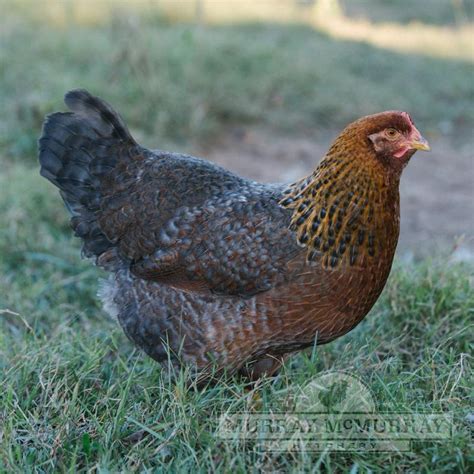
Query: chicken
pixel 220 273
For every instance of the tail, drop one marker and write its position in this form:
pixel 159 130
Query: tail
pixel 76 150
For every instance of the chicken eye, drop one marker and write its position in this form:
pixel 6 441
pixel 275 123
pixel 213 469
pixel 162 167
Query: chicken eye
pixel 391 133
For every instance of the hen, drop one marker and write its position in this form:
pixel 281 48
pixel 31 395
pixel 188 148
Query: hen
pixel 218 272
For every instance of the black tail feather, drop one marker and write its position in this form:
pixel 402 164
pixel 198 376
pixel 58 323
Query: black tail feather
pixel 99 113
pixel 75 150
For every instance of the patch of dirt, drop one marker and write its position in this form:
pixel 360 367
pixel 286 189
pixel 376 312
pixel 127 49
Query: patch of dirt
pixel 437 188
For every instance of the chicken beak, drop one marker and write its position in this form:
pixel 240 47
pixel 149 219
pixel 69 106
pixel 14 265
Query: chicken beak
pixel 420 143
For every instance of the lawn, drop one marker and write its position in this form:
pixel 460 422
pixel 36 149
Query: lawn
pixel 76 396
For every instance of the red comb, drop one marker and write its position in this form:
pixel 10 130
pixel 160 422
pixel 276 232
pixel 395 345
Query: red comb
pixel 407 116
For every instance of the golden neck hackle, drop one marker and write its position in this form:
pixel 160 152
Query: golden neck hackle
pixel 347 211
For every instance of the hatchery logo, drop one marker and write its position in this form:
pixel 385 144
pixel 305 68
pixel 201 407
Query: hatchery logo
pixel 334 412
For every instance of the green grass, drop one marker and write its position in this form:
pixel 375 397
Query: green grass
pixel 74 390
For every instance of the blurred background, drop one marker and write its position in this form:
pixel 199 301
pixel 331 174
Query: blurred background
pixel 259 86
